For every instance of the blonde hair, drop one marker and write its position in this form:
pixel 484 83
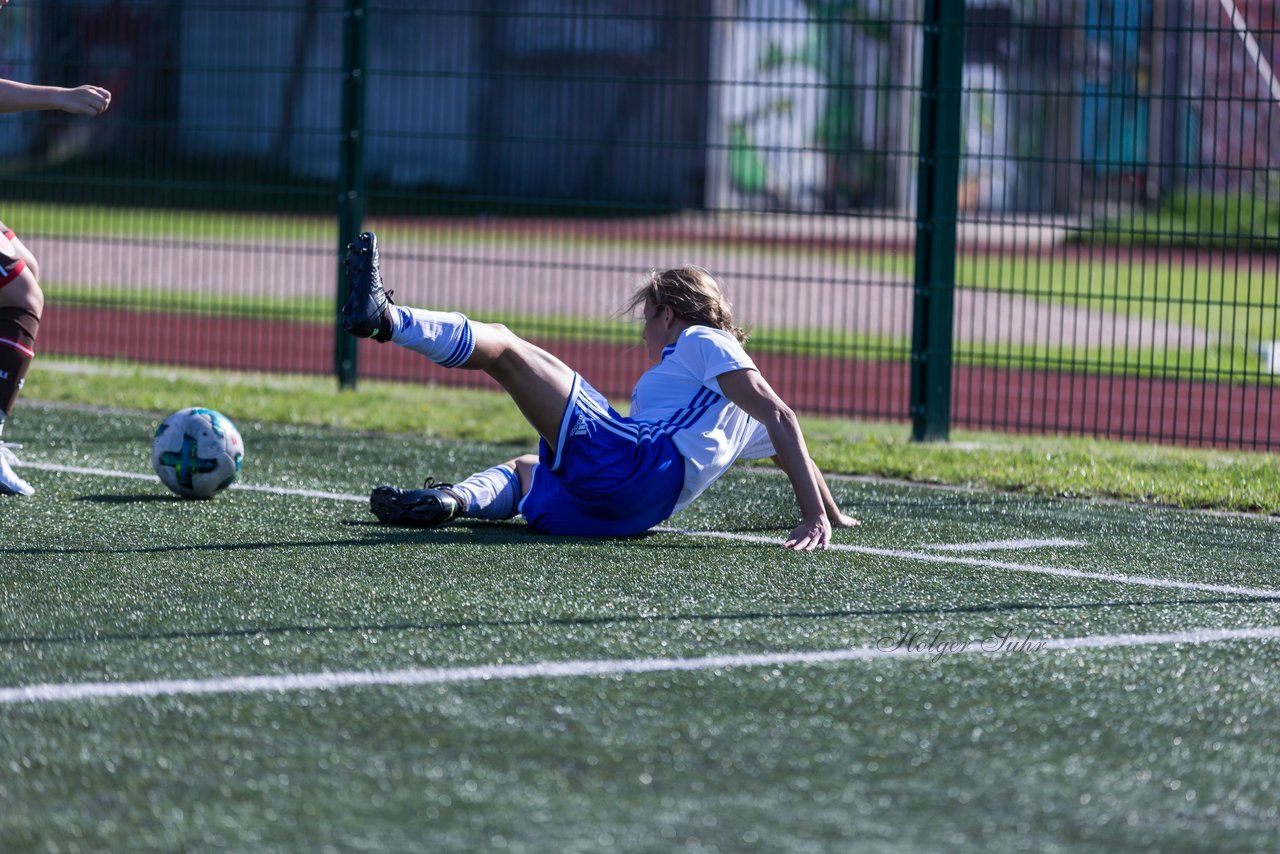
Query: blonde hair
pixel 693 294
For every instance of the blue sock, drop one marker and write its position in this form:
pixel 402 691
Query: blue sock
pixel 444 337
pixel 492 494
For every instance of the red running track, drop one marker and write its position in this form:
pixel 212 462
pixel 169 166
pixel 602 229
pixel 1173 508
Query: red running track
pixel 1169 411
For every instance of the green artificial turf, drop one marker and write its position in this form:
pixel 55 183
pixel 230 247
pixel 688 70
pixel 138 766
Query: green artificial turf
pixel 106 578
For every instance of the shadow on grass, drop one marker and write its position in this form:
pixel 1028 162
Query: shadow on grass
pixel 463 532
pixel 125 498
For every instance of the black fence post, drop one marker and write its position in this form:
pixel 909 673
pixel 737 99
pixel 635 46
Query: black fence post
pixel 355 53
pixel 936 207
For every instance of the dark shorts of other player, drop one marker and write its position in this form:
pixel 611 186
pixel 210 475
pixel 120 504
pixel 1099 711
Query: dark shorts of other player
pixel 608 476
pixel 11 264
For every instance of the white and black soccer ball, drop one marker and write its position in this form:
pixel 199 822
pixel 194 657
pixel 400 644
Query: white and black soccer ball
pixel 197 452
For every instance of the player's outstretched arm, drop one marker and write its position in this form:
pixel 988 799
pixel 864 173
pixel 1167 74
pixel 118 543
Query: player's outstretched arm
pixel 749 390
pixel 837 517
pixel 18 97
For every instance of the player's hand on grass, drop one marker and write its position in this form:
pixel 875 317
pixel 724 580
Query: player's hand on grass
pixel 84 100
pixel 810 534
pixel 843 520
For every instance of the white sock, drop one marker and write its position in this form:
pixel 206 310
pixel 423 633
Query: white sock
pixel 444 337
pixel 491 494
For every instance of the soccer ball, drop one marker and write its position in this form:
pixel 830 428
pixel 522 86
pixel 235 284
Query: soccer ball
pixel 197 452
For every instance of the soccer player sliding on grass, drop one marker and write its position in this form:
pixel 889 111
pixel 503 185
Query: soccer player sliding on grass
pixel 701 406
pixel 21 300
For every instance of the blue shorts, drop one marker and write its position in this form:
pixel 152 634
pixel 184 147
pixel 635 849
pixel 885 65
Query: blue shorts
pixel 605 477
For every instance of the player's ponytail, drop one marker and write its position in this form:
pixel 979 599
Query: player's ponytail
pixel 693 294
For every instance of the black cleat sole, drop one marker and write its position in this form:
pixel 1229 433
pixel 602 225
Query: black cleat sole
pixel 415 508
pixel 367 300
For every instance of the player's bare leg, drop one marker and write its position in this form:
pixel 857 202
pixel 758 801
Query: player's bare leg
pixel 538 382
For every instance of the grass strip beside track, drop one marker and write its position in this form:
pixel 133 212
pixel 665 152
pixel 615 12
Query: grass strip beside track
pixel 1212 363
pixel 1233 301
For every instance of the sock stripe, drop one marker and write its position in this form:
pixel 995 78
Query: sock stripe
pixel 513 481
pixel 21 348
pixel 511 492
pixel 463 349
pixel 445 337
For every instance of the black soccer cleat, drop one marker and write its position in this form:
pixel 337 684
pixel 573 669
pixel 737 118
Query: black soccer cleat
pixel 432 505
pixel 367 301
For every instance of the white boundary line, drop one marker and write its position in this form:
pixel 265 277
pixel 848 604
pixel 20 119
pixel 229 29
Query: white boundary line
pixel 250 487
pixel 954 559
pixel 899 554
pixel 1002 545
pixel 569 669
pixel 129 475
pixel 889 649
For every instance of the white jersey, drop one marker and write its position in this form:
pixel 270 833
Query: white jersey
pixel 681 396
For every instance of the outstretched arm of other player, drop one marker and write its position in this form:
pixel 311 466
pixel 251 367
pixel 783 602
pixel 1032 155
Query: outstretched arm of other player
pixel 837 517
pixel 18 97
pixel 749 390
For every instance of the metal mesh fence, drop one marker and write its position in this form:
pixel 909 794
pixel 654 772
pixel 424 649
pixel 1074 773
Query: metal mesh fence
pixel 1114 232
pixel 1133 148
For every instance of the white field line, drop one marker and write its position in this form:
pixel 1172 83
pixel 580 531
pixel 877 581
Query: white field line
pixel 1002 545
pixel 889 648
pixel 899 554
pixel 130 475
pixel 251 487
pixel 953 559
